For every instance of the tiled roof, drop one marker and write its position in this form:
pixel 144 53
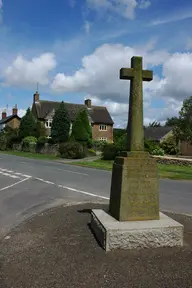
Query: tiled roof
pixel 98 114
pixel 156 133
pixel 6 119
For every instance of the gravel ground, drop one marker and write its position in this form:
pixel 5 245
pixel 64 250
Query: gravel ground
pixel 57 249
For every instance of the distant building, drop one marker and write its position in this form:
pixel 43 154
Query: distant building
pixel 99 117
pixel 157 133
pixel 12 121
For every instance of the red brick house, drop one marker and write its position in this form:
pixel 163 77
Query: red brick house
pixel 12 121
pixel 99 117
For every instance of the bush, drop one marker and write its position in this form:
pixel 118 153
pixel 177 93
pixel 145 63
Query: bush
pixel 158 152
pixel 98 145
pixel 151 145
pixel 72 150
pixel 12 139
pixel 91 152
pixel 30 139
pixel 169 145
pixel 109 152
pixel 3 142
pixel 42 140
pixel 29 142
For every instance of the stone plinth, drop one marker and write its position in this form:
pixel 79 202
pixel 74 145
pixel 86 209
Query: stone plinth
pixel 113 234
pixel 134 187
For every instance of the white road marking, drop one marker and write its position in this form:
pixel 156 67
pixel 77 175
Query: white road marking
pixel 9 186
pixel 73 189
pixel 13 174
pixel 71 171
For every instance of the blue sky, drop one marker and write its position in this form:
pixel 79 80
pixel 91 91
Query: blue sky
pixel 87 41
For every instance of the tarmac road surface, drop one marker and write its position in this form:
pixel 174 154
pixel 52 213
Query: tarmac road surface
pixel 29 186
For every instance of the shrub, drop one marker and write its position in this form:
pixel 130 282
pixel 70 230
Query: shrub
pixel 3 142
pixel 158 152
pixel 169 145
pixel 91 152
pixel 151 145
pixel 42 140
pixel 98 145
pixel 109 152
pixel 28 143
pixel 12 139
pixel 72 150
pixel 30 139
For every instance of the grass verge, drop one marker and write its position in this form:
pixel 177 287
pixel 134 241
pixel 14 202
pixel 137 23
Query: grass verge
pixel 30 155
pixel 165 171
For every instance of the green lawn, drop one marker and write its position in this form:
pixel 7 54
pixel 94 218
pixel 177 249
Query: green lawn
pixel 30 155
pixel 165 171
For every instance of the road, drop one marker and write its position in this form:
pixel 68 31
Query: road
pixel 28 186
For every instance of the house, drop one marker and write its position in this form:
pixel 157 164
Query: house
pixel 157 133
pixel 99 117
pixel 160 133
pixel 12 121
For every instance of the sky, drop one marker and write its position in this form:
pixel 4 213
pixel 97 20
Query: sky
pixel 74 49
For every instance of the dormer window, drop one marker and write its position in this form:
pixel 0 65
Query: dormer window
pixel 48 123
pixel 103 127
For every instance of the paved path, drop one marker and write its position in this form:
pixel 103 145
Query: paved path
pixel 28 186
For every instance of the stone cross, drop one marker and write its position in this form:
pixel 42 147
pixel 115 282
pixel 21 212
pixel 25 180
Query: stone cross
pixel 137 75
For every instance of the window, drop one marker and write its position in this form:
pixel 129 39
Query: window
pixel 103 139
pixel 48 123
pixel 103 127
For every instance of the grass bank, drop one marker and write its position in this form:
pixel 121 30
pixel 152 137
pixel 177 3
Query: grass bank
pixel 30 155
pixel 165 171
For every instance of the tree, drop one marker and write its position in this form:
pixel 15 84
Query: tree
pixel 79 132
pixel 60 125
pixel 154 124
pixel 171 122
pixel 183 128
pixel 40 129
pixel 85 120
pixel 27 125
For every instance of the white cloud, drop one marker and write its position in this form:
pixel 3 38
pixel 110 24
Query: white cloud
pixel 177 71
pixel 99 78
pixel 125 8
pixel 144 4
pixel 182 15
pixel 23 72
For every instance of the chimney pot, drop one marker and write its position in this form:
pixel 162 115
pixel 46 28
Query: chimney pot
pixel 4 114
pixel 15 110
pixel 36 97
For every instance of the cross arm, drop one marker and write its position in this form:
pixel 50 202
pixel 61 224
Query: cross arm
pixel 126 73
pixel 147 75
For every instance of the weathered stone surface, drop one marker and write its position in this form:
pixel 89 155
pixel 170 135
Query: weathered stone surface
pixel 134 188
pixel 113 234
pixel 135 123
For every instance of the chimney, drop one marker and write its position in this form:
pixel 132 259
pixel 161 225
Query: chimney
pixel 4 114
pixel 15 110
pixel 36 97
pixel 88 103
